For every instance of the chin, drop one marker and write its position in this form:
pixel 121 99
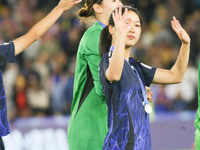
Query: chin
pixel 128 46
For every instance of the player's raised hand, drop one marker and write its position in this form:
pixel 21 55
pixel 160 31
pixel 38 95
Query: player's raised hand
pixel 122 23
pixel 182 34
pixel 67 4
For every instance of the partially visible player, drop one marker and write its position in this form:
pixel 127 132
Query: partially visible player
pixel 197 120
pixel 9 50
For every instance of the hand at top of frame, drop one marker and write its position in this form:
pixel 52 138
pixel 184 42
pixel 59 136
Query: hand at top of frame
pixel 182 34
pixel 67 4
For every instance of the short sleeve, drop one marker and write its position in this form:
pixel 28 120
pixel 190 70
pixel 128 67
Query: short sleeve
pixel 148 73
pixel 103 66
pixel 7 53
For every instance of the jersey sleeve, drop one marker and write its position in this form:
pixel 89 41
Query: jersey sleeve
pixel 91 54
pixel 148 73
pixel 103 66
pixel 7 53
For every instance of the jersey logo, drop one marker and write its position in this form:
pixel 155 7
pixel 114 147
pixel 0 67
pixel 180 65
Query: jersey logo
pixel 109 54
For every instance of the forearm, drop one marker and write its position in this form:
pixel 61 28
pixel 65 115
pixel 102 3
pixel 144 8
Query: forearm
pixel 37 30
pixel 41 27
pixel 176 73
pixel 181 63
pixel 115 68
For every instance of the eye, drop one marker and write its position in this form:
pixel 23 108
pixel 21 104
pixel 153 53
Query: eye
pixel 137 25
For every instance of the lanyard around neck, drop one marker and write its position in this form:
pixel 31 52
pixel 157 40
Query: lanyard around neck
pixel 141 83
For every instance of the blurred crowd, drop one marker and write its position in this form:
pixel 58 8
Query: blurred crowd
pixel 40 82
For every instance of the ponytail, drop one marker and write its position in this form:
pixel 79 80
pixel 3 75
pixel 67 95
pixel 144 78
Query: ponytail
pixel 87 10
pixel 105 41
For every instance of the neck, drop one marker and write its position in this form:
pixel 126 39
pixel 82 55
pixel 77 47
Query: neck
pixel 127 53
pixel 102 19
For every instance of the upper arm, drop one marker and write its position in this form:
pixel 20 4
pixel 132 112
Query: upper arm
pixel 163 76
pixel 24 41
pixel 92 56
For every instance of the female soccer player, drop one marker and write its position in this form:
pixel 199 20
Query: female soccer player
pixel 88 124
pixel 9 50
pixel 123 79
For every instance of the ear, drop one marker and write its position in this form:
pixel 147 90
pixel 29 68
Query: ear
pixel 111 29
pixel 97 8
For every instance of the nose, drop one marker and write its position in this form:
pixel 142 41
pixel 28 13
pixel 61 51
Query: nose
pixel 132 28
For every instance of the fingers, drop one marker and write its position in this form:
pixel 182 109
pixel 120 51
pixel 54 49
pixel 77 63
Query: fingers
pixel 117 14
pixel 149 93
pixel 78 1
pixel 149 97
pixel 125 14
pixel 120 13
pixel 176 25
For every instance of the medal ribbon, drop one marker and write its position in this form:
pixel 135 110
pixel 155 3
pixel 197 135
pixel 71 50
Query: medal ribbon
pixel 141 84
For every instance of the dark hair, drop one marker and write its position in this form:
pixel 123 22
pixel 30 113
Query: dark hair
pixel 106 37
pixel 87 10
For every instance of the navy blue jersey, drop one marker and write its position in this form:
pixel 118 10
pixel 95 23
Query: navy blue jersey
pixel 128 122
pixel 7 54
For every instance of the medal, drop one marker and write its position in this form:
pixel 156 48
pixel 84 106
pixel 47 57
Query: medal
pixel 147 108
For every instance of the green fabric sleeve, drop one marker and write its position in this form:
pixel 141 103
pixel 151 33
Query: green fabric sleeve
pixel 197 120
pixel 91 54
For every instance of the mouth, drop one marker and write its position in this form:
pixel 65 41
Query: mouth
pixel 130 37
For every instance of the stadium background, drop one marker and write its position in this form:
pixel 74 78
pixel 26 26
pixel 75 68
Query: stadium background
pixel 39 84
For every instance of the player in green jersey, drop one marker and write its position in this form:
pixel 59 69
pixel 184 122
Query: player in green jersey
pixel 88 124
pixel 197 120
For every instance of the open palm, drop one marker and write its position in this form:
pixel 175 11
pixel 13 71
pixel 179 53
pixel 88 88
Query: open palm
pixel 182 34
pixel 122 25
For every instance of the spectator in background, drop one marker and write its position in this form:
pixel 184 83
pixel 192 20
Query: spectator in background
pixel 58 82
pixel 37 97
pixel 183 94
pixel 162 102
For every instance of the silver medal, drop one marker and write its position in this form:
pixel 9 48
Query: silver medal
pixel 147 108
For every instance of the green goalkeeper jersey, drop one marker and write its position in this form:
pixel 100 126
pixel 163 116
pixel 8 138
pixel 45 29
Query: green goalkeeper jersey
pixel 88 124
pixel 197 120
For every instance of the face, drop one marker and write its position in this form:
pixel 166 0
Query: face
pixel 108 6
pixel 134 34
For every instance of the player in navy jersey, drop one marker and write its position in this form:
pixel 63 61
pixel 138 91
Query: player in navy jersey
pixel 123 80
pixel 9 50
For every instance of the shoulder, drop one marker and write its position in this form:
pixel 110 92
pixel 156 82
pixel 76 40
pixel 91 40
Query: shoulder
pixel 90 40
pixel 93 32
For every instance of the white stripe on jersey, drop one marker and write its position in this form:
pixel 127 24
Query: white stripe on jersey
pixel 146 66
